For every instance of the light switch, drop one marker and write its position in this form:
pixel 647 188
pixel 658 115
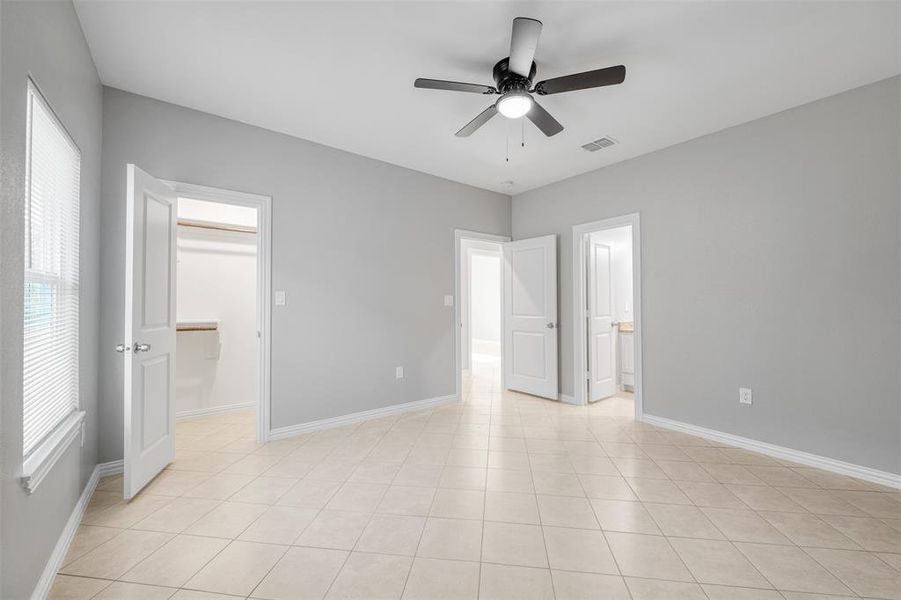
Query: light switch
pixel 448 301
pixel 280 298
pixel 399 372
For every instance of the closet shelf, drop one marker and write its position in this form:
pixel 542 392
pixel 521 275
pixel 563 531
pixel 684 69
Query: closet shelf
pixel 217 226
pixel 197 326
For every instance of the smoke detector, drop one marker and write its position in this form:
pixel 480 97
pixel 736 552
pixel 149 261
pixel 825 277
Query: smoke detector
pixel 604 142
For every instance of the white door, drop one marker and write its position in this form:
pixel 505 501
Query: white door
pixel 149 329
pixel 601 338
pixel 530 316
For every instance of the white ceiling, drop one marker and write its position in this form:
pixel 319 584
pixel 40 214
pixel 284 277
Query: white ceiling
pixel 341 73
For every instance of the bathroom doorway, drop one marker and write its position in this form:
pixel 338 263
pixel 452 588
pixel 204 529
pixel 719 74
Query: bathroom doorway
pixel 607 344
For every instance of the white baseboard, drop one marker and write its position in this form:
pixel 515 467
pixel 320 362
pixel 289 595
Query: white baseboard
pixel 566 398
pixel 357 417
pixel 805 458
pixel 114 467
pixel 42 589
pixel 212 410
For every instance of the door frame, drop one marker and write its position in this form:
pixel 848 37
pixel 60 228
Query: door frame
pixel 263 204
pixel 459 236
pixel 580 335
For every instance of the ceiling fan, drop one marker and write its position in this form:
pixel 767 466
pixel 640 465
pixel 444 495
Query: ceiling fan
pixel 513 78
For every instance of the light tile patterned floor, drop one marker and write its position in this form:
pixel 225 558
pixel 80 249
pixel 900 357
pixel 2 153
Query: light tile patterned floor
pixel 502 496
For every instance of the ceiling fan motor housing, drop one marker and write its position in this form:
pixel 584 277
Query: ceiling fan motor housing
pixel 507 80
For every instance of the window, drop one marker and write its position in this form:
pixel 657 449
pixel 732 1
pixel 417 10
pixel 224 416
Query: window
pixel 50 369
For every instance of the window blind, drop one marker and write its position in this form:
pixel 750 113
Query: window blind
pixel 50 370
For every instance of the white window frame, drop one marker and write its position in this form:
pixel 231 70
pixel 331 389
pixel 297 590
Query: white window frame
pixel 39 460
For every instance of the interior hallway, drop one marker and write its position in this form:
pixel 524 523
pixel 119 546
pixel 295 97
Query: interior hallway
pixel 501 496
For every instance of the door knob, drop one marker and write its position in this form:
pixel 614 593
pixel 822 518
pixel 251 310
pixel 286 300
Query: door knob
pixel 142 347
pixel 550 325
pixel 122 348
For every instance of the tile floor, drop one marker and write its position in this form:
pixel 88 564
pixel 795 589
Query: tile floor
pixel 502 496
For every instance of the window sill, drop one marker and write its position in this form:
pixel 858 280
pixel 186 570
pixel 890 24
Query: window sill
pixel 41 460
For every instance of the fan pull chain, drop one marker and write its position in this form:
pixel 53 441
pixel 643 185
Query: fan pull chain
pixel 508 141
pixel 522 127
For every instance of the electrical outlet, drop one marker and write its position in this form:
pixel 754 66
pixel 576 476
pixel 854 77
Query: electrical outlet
pixel 399 372
pixel 744 396
pixel 448 301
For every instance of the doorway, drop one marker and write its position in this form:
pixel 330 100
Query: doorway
pixel 222 307
pixel 151 310
pixel 479 325
pixel 607 306
pixel 216 371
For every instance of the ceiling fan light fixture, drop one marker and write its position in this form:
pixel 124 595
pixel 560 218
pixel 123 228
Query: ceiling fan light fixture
pixel 514 104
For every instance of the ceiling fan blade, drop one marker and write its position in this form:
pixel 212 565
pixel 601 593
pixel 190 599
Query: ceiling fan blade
pixel 543 120
pixel 480 120
pixel 582 81
pixel 523 43
pixel 453 86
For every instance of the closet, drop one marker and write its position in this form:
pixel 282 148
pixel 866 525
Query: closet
pixel 217 343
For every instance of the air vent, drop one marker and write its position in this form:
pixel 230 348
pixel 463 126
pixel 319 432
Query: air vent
pixel 604 142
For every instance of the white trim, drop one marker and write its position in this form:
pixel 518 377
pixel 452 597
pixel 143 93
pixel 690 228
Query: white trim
pixel 41 460
pixel 42 589
pixel 263 204
pixel 805 458
pixel 113 467
pixel 212 410
pixel 566 398
pixel 580 360
pixel 357 417
pixel 459 236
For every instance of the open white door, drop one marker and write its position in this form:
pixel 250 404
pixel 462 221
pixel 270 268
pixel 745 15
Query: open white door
pixel 149 329
pixel 601 341
pixel 530 316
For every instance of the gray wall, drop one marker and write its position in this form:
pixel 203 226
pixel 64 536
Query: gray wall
pixel 771 259
pixel 43 39
pixel 363 248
